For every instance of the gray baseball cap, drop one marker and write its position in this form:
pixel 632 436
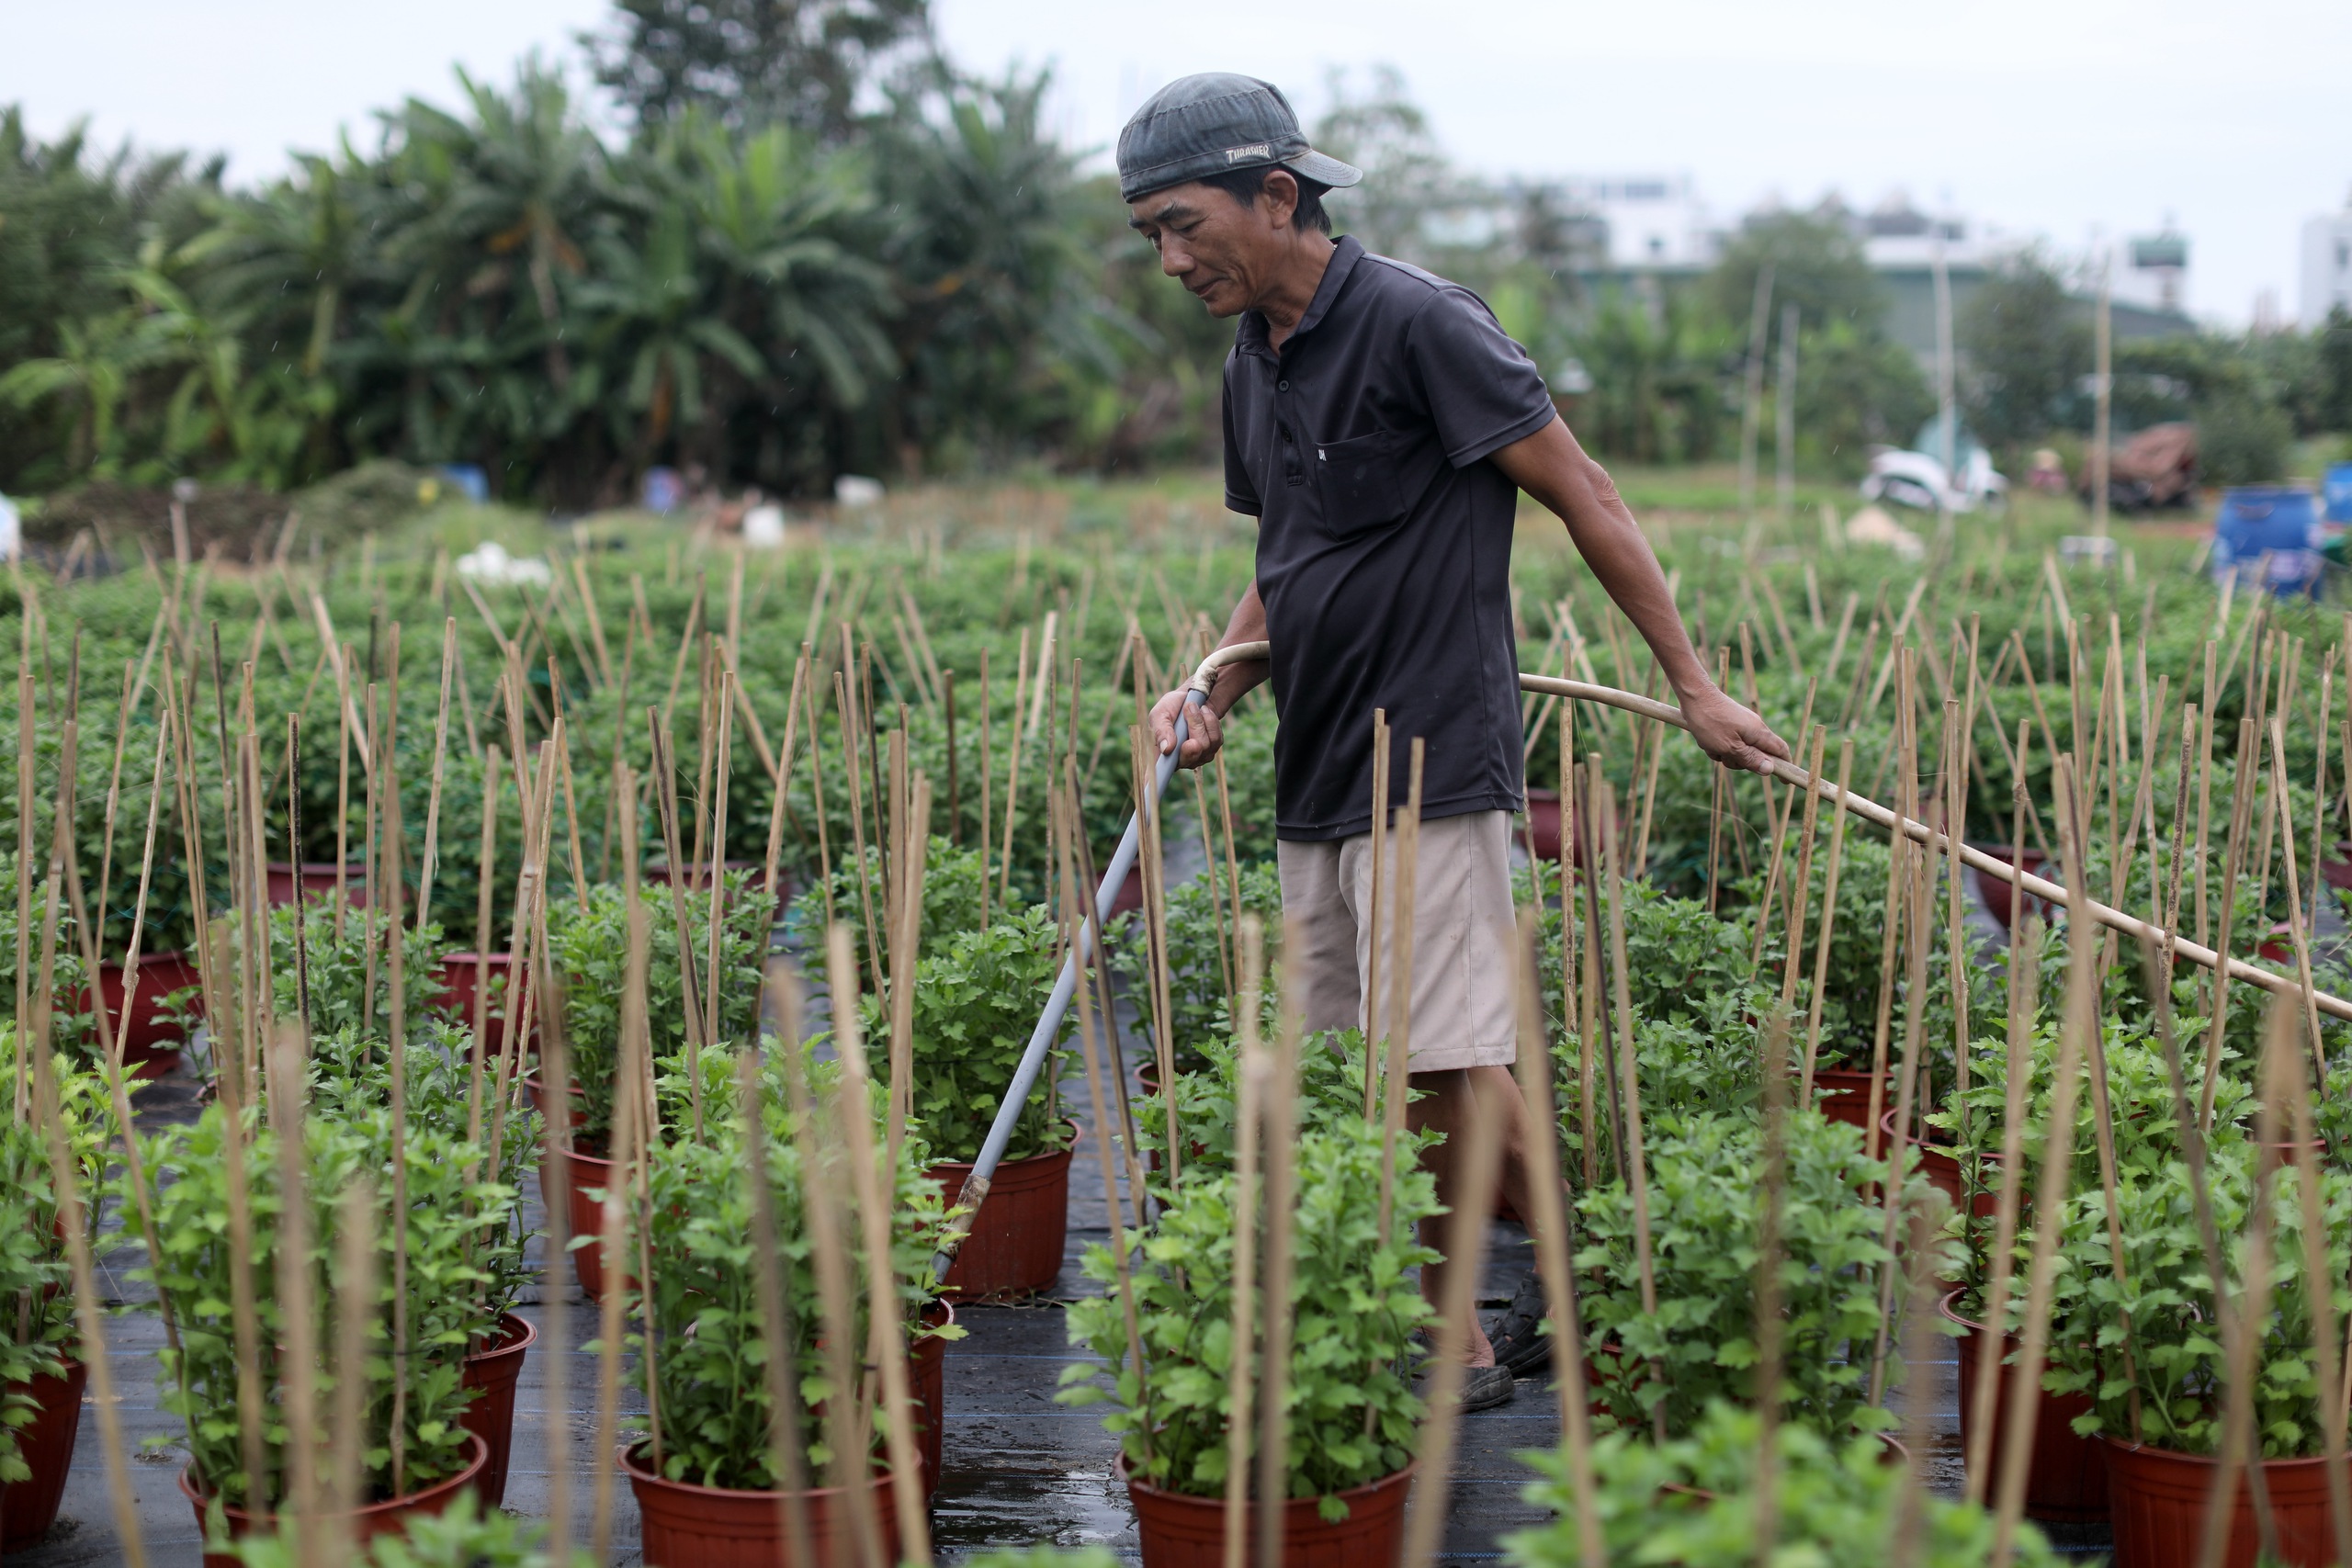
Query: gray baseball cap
pixel 1212 122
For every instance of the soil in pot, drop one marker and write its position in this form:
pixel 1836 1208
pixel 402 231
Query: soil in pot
pixel 2067 1481
pixel 29 1507
pixel 1015 1245
pixel 151 1049
pixel 685 1526
pixel 1183 1531
pixel 491 1373
pixel 2157 1500
pixel 387 1517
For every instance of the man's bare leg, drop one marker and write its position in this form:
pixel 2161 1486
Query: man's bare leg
pixel 1447 1100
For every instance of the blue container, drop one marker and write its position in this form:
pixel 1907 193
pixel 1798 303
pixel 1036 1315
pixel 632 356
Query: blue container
pixel 2271 528
pixel 2335 493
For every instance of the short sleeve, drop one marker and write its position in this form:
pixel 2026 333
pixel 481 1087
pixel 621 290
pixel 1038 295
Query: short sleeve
pixel 1240 494
pixel 1484 392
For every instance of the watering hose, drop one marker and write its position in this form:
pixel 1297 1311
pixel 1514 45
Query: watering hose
pixel 1033 1059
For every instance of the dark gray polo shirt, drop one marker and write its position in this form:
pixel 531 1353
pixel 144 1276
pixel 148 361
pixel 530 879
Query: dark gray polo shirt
pixel 1383 539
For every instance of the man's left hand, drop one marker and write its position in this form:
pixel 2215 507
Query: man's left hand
pixel 1731 734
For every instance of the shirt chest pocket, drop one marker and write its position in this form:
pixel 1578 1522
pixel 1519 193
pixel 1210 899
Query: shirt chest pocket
pixel 1371 481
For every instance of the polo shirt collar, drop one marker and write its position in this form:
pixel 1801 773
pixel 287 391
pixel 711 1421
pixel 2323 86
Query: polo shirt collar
pixel 1344 256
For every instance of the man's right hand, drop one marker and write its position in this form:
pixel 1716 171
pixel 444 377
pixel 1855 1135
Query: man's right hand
pixel 1204 728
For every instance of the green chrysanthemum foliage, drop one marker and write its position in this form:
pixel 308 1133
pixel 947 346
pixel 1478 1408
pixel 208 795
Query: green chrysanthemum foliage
pixel 334 972
pixel 709 1339
pixel 1331 1091
pixel 456 1214
pixel 33 1274
pixel 955 886
pixel 1198 977
pixel 2145 1340
pixel 589 948
pixel 1706 1207
pixel 466 1536
pixel 977 1000
pixel 1691 1503
pixel 1353 1414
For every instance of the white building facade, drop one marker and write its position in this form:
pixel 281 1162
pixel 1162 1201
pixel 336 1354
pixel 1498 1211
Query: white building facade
pixel 2326 269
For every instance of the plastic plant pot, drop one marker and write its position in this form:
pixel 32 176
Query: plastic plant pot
pixel 387 1517
pixel 685 1526
pixel 29 1507
pixel 2157 1501
pixel 1180 1530
pixel 1015 1246
pixel 1845 1093
pixel 927 1375
pixel 2067 1481
pixel 492 1374
pixel 151 1049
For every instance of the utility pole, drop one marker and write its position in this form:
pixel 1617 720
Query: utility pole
pixel 1758 322
pixel 2103 376
pixel 1784 432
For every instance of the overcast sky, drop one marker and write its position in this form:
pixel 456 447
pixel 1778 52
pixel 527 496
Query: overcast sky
pixel 2063 118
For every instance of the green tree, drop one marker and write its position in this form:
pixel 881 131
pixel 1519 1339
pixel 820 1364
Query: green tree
pixel 1818 264
pixel 754 62
pixel 2026 344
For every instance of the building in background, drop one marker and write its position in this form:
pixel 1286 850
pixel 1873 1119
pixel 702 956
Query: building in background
pixel 2327 267
pixel 2153 271
pixel 1653 223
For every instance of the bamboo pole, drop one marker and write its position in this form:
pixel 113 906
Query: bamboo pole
pixel 2020 1408
pixel 1539 1136
pixel 431 861
pixel 846 1431
pixel 1280 1135
pixel 1399 1031
pixel 1480 1166
pixel 1829 924
pixel 1379 923
pixel 88 1311
pixel 1255 1071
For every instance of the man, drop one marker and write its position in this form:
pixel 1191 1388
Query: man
pixel 1380 424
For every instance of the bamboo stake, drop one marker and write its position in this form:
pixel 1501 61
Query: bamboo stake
pixel 1481 1161
pixel 555 1307
pixel 842 702
pixel 1828 923
pixel 2242 792
pixel 1399 1031
pixel 431 862
pixel 1986 1389
pixel 1256 1071
pixel 2019 1410
pixel 2295 930
pixel 988 773
pixel 1377 927
pixel 846 1432
pixel 486 875
pixel 884 1346
pixel 1280 1133
pixel 611 1229
pixel 300 1323
pixel 1097 1070
pixel 718 908
pixel 1540 1137
pixel 1013 773
pixel 88 1312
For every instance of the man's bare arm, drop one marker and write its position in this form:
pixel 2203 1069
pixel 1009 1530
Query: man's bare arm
pixel 1205 729
pixel 1552 468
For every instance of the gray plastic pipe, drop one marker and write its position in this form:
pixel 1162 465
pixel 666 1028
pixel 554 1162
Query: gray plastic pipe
pixel 1049 1023
pixel 1033 1060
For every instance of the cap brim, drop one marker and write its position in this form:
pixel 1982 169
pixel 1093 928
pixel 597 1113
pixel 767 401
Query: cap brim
pixel 1323 169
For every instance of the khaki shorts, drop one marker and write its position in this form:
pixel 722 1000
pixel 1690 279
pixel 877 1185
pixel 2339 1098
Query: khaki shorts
pixel 1465 980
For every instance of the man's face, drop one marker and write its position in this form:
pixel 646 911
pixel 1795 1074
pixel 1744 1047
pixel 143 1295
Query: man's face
pixel 1223 252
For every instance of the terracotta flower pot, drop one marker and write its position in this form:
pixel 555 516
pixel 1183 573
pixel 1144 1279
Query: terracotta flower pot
pixel 1015 1245
pixel 151 1049
pixel 2157 1500
pixel 535 1093
pixel 491 1373
pixel 1998 892
pixel 316 879
pixel 29 1507
pixel 1845 1094
pixel 2066 1482
pixel 1183 1531
pixel 581 1174
pixel 1941 1167
pixel 927 1369
pixel 1545 822
pixel 463 975
pixel 685 1526
pixel 387 1517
